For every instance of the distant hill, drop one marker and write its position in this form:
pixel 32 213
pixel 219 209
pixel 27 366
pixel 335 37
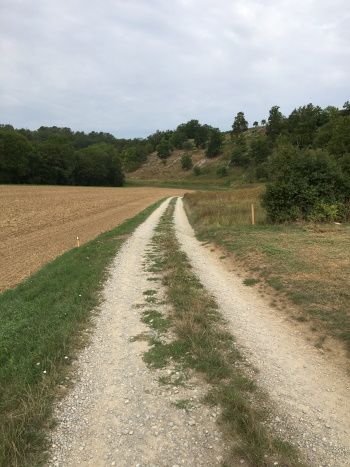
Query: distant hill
pixel 212 172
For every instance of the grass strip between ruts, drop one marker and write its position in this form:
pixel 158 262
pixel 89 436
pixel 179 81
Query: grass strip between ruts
pixel 42 324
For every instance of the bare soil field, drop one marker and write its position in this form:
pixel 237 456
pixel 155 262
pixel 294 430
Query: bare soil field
pixel 39 223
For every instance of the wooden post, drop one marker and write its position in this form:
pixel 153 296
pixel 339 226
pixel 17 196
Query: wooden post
pixel 78 242
pixel 253 219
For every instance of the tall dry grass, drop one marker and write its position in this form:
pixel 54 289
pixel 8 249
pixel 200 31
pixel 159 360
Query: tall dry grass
pixel 226 208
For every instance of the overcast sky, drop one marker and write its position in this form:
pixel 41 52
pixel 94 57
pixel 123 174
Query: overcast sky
pixel 131 67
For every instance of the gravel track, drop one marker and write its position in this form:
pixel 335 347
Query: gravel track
pixel 118 414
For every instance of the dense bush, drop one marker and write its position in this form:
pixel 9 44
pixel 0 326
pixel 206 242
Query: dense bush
pixel 305 184
pixel 164 149
pixel 215 142
pixel 222 171
pixel 186 161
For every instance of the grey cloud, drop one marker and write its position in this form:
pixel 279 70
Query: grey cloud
pixel 131 67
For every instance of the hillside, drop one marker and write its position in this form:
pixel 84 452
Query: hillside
pixel 156 171
pixel 211 172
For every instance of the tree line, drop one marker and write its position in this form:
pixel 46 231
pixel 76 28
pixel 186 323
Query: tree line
pixel 305 159
pixel 60 156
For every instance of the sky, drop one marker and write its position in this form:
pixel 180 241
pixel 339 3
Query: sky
pixel 131 67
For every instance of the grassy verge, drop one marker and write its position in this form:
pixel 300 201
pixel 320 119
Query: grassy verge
pixel 42 324
pixel 304 268
pixel 200 343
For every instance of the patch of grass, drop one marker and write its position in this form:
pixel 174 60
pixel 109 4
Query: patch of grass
pixel 151 300
pixel 143 336
pixel 202 344
pixel 159 355
pixel 276 283
pixel 300 297
pixel 155 320
pixel 154 269
pixel 251 282
pixel 301 319
pixel 183 404
pixel 43 321
pixel 150 292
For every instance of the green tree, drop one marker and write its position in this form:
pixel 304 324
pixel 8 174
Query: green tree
pixel 164 149
pixel 324 134
pixel 215 141
pixel 240 153
pixel 260 150
pixel 201 136
pixel 6 127
pixel 178 138
pixel 15 155
pixel 302 124
pixel 99 165
pixel 240 124
pixel 130 159
pixel 197 170
pixel 190 128
pixel 275 124
pixel 57 160
pixel 339 143
pixel 346 108
pixel 186 161
pixel 222 171
pixel 255 124
pixel 156 138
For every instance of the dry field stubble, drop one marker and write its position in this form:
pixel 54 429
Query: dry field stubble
pixel 39 223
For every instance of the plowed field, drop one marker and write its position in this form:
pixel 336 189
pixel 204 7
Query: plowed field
pixel 39 223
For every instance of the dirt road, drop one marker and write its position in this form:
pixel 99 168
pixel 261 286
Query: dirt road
pixel 39 223
pixel 118 414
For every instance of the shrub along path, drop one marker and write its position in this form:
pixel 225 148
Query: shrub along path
pixel 118 414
